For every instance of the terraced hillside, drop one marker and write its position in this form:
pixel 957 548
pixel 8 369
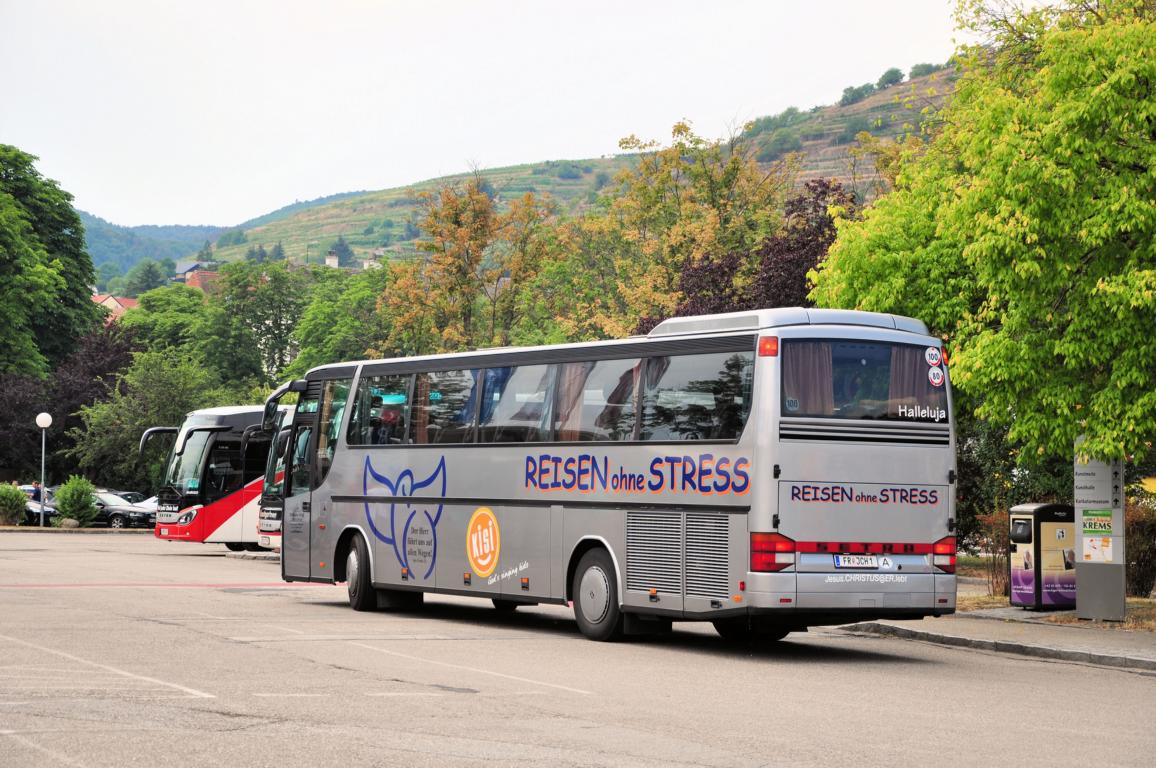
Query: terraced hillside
pixel 382 224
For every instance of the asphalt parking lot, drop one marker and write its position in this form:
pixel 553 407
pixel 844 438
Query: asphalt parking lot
pixel 118 649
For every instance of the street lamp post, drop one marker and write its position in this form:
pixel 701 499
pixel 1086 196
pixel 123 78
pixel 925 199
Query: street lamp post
pixel 44 421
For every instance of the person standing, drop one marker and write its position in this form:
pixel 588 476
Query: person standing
pixel 36 490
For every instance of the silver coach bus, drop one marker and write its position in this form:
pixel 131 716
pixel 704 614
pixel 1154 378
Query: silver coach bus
pixel 766 471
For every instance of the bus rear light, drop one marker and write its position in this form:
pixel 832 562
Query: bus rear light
pixel 785 600
pixel 771 552
pixel 943 554
pixel 768 346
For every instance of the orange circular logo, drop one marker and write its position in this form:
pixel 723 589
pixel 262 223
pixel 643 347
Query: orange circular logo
pixel 483 541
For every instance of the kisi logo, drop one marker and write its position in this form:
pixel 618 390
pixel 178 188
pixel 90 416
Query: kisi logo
pixel 483 542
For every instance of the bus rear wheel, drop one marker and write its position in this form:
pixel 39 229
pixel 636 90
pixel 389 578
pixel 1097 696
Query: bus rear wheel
pixel 362 596
pixel 595 591
pixel 234 546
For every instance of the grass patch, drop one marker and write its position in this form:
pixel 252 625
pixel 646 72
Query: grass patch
pixel 966 603
pixel 1140 615
pixel 971 565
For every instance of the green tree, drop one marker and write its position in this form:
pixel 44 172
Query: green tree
pixel 277 252
pixel 343 321
pixel 1026 231
pixel 53 240
pixel 922 70
pixel 268 300
pixel 206 252
pixel 28 282
pixel 344 253
pixel 158 389
pixel 106 272
pixel 168 318
pixel 893 76
pixel 145 276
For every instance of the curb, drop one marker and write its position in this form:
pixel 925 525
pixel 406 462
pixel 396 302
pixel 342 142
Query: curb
pixel 273 557
pixel 48 529
pixel 1004 646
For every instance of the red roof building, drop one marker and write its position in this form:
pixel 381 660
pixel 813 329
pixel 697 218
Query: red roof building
pixel 116 305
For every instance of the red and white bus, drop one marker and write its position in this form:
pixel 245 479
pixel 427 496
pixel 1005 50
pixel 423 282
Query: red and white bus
pixel 213 480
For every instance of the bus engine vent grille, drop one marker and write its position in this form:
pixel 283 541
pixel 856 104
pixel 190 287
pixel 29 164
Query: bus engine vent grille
pixel 707 548
pixel 654 551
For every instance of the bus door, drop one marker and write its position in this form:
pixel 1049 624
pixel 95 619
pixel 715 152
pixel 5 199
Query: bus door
pixel 297 520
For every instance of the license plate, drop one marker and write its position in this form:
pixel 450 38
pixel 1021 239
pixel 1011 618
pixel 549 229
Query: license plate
pixel 164 531
pixel 264 541
pixel 856 561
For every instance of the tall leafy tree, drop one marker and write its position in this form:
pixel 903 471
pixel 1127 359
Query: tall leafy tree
pixel 343 321
pixel 268 300
pixel 1026 232
pixel 44 254
pixel 145 276
pixel 158 389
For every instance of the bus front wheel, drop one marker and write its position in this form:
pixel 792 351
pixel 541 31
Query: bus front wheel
pixel 595 592
pixel 234 546
pixel 362 596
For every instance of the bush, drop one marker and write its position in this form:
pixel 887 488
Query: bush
pixel 993 540
pixel 853 128
pixel 919 70
pixel 1140 545
pixel 852 94
pixel 893 76
pixel 12 501
pixel 781 143
pixel 75 499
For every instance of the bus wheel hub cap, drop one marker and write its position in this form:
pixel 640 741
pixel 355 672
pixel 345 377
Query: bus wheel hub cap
pixel 595 593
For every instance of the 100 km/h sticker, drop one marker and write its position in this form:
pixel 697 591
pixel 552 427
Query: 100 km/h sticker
pixel 483 541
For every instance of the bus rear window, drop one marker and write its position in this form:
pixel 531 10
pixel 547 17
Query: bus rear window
pixel 846 379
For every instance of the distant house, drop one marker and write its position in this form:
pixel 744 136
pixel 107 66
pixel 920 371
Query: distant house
pixel 184 268
pixel 201 279
pixel 116 305
pixel 331 260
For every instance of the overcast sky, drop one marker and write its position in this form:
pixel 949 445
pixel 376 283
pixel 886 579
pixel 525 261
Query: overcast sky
pixel 207 112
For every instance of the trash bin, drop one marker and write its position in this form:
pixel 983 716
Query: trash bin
pixel 1042 557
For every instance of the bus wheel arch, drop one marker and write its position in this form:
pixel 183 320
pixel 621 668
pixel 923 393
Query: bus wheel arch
pixel 581 548
pixel 341 553
pixel 595 593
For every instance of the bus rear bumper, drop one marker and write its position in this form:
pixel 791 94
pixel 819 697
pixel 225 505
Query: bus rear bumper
pixel 922 594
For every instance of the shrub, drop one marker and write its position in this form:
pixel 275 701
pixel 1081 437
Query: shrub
pixel 1140 544
pixel 781 143
pixel 893 76
pixel 12 502
pixel 852 94
pixel 852 129
pixel 993 540
pixel 919 70
pixel 75 499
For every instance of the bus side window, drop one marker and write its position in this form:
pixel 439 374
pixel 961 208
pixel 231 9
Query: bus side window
pixel 697 397
pixel 334 396
pixel 595 400
pixel 298 475
pixel 224 471
pixel 514 404
pixel 444 405
pixel 380 410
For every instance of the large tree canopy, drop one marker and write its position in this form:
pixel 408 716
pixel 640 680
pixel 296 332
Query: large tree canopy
pixel 45 273
pixel 1026 232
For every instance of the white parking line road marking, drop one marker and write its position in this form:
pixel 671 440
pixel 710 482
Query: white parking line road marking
pixel 291 695
pixel 190 691
pixel 473 669
pixel 43 750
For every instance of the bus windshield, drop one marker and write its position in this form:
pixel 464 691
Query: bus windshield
pixel 852 379
pixel 185 466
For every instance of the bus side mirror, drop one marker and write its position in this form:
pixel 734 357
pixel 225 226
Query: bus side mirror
pixel 269 414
